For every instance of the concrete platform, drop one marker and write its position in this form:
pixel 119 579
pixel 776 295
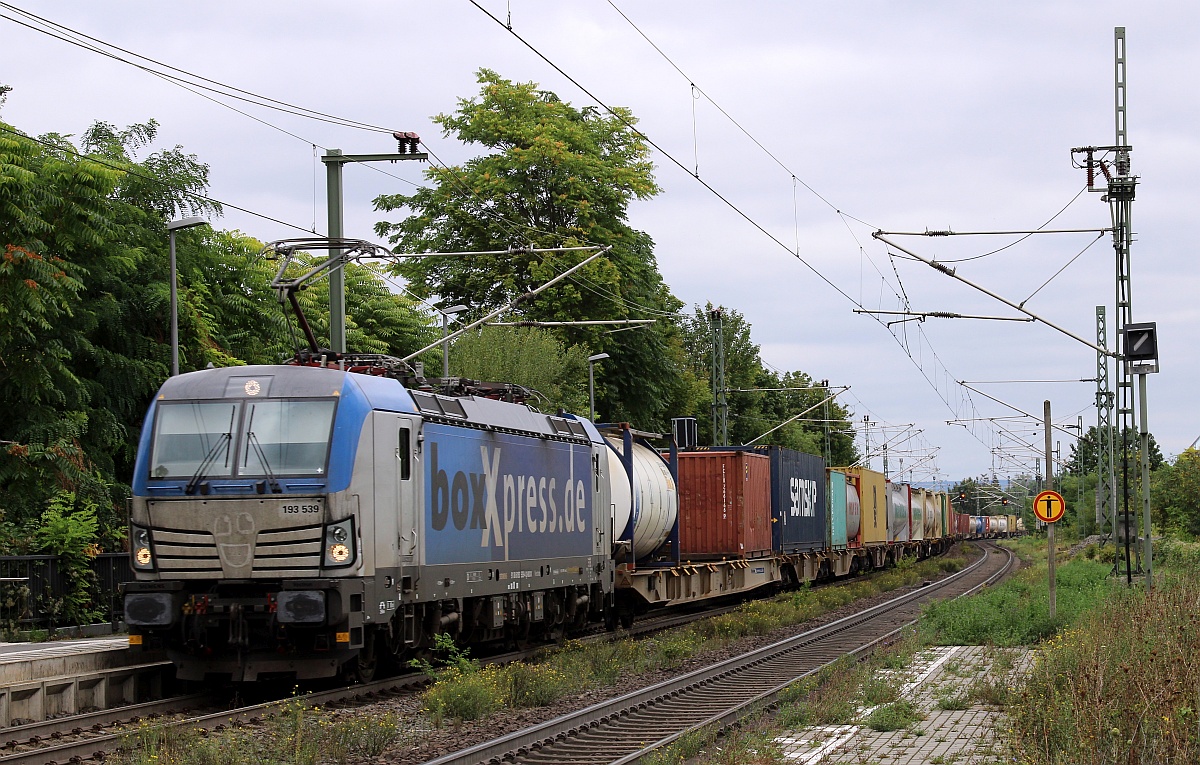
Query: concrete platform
pixel 10 652
pixel 43 680
pixel 944 737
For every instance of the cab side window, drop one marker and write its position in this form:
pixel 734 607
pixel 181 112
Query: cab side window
pixel 404 452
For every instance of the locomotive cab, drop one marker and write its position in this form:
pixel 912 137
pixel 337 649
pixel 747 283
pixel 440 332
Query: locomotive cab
pixel 244 537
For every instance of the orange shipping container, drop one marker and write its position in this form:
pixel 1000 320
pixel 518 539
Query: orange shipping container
pixel 724 505
pixel 872 499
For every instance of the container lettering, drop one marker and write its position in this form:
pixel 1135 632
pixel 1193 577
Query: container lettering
pixel 492 496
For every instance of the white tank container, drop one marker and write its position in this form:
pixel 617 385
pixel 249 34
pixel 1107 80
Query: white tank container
pixel 619 493
pixel 653 503
pixel 853 512
pixel 933 515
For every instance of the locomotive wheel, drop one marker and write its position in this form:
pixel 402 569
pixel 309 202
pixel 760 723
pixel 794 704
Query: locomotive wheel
pixel 518 637
pixel 363 667
pixel 555 619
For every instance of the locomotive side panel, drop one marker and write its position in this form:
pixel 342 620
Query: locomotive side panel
pixel 492 497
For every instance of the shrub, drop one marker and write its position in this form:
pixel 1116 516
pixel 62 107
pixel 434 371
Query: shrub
pixel 465 696
pixel 70 532
pixel 534 685
pixel 894 716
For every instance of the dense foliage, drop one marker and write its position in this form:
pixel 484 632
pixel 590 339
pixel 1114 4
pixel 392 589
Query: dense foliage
pixel 1084 452
pixel 761 400
pixel 554 176
pixel 84 307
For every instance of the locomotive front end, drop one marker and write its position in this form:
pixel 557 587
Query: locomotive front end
pixel 243 533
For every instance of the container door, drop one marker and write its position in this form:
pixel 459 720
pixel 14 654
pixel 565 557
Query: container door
pixel 397 475
pixel 916 518
pixel 837 509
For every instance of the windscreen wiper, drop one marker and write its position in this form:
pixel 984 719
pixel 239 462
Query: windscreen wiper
pixel 205 463
pixel 258 450
pixel 198 476
pixel 262 457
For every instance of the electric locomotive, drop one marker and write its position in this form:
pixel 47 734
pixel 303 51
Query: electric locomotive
pixel 308 521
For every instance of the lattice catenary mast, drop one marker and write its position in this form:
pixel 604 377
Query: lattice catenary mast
pixel 1113 163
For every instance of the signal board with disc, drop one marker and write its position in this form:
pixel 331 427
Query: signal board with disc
pixel 1049 506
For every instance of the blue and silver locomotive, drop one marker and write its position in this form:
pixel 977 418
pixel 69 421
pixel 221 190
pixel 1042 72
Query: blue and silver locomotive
pixel 306 521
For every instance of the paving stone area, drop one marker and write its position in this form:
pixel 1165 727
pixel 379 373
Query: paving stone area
pixel 945 737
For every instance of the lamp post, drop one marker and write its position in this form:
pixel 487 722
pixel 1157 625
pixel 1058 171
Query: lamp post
pixel 446 314
pixel 592 384
pixel 172 227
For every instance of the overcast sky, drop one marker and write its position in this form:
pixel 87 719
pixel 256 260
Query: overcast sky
pixel 876 115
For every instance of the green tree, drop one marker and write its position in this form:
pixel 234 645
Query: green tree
pixel 759 399
pixel 1084 452
pixel 1175 491
pixel 56 212
pixel 84 310
pixel 534 358
pixel 552 176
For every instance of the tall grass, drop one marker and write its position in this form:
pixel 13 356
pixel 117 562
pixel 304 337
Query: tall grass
pixel 1122 685
pixel 297 735
pixel 1017 611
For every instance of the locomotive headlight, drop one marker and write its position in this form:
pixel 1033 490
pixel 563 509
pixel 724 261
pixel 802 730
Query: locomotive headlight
pixel 339 543
pixel 339 553
pixel 143 558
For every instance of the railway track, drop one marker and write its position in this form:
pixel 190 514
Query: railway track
pixel 626 729
pixel 97 735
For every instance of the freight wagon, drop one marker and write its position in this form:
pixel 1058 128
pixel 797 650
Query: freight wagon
pixel 825 522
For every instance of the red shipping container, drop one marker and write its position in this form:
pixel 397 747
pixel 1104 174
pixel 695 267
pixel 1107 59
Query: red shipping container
pixel 724 505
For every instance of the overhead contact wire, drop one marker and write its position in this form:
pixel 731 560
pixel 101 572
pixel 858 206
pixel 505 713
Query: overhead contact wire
pixel 150 178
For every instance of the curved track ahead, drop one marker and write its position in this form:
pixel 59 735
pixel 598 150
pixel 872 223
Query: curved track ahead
pixel 90 736
pixel 625 729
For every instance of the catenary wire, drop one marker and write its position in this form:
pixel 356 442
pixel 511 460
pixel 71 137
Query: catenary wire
pixel 151 178
pixel 248 96
pixel 728 116
pixel 300 111
pixel 194 88
pixel 714 192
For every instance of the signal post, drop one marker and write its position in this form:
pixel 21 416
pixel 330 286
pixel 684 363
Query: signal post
pixel 1049 507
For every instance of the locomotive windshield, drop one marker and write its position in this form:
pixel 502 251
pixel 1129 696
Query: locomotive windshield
pixel 221 439
pixel 285 437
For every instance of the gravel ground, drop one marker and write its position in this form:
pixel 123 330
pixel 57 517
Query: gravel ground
pixel 419 743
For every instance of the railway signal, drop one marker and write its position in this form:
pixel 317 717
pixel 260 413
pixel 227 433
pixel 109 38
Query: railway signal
pixel 1049 507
